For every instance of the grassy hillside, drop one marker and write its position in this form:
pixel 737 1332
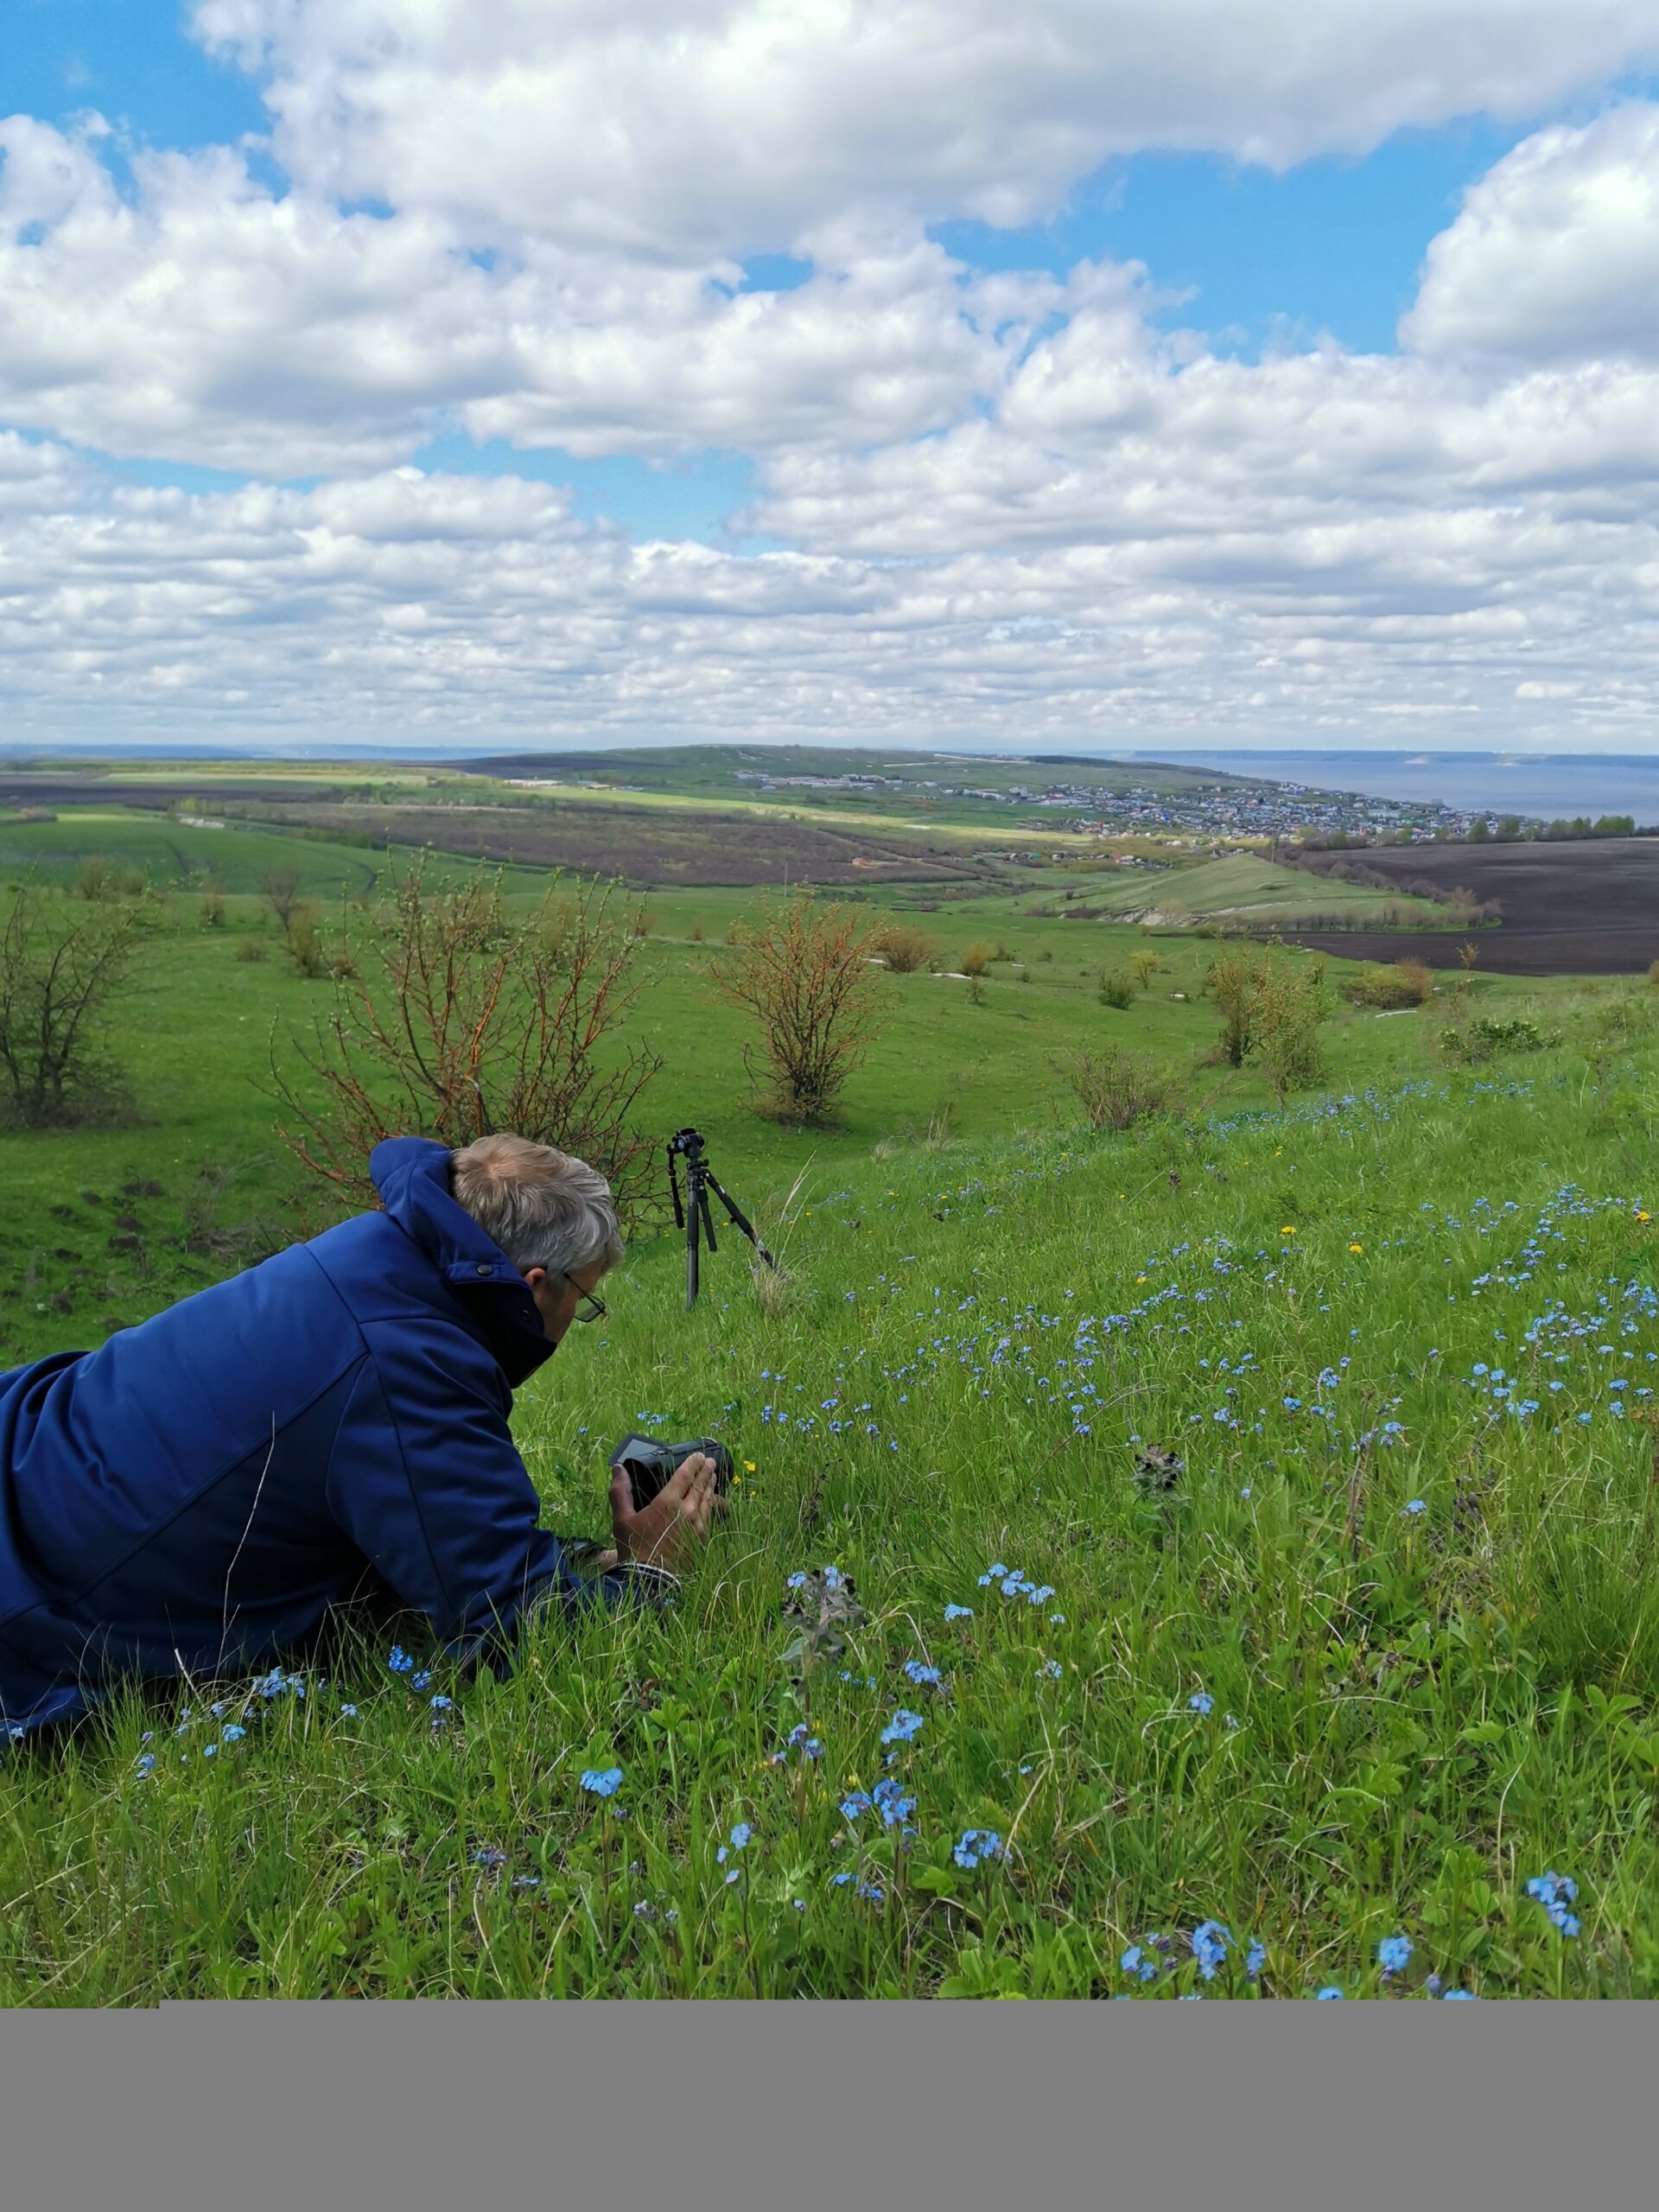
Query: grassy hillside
pixel 195 1172
pixel 1382 1653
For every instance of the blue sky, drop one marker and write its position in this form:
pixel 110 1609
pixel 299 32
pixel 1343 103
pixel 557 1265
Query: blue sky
pixel 427 360
pixel 1333 246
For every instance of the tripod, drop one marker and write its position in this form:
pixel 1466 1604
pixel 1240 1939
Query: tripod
pixel 694 1215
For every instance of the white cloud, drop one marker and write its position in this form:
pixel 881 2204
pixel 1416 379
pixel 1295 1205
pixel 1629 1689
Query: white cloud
pixel 691 129
pixel 433 611
pixel 1020 511
pixel 204 318
pixel 1554 256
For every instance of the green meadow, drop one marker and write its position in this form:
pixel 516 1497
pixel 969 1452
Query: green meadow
pixel 1250 1521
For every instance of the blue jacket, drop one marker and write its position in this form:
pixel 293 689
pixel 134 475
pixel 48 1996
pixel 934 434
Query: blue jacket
pixel 198 1492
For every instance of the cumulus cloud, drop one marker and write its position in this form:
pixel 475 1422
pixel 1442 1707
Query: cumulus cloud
pixel 1014 507
pixel 430 610
pixel 202 316
pixel 693 128
pixel 1554 256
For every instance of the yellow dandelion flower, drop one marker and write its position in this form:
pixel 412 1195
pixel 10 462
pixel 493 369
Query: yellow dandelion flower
pixel 1289 1228
pixel 1355 1248
pixel 1643 1215
pixel 748 1466
pixel 1139 1278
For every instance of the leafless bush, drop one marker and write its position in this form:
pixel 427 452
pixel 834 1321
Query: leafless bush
pixel 461 1022
pixel 280 888
pixel 99 879
pixel 1407 982
pixel 976 960
pixel 60 981
pixel 1116 1089
pixel 904 949
pixel 801 971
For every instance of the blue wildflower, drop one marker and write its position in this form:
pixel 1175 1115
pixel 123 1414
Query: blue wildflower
pixel 921 1674
pixel 442 1704
pixel 854 1804
pixel 1393 1952
pixel 978 1847
pixel 146 1761
pixel 1555 1892
pixel 1416 1505
pixel 489 1857
pixel 1136 1961
pixel 1201 1702
pixel 399 1661
pixel 891 1803
pixel 1255 1959
pixel 902 1728
pixel 740 1835
pixel 348 1713
pixel 233 1733
pixel 602 1782
pixel 1210 1941
pixel 959 1612
pixel 1452 1996
pixel 1332 1991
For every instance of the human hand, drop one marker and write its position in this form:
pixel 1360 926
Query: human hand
pixel 667 1531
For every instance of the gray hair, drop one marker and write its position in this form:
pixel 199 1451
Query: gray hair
pixel 543 1208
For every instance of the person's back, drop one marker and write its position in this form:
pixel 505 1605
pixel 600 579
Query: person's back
pixel 200 1491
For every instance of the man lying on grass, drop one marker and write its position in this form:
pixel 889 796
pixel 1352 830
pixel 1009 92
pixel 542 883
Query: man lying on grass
pixel 197 1495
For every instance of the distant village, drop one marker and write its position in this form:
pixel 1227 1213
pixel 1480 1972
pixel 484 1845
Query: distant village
pixel 1238 809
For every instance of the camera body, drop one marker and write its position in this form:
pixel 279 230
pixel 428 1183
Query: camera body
pixel 649 1463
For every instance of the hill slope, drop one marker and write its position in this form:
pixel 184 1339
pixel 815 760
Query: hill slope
pixel 1383 1651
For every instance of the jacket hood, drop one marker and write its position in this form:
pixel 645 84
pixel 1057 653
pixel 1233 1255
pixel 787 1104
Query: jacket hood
pixel 412 1176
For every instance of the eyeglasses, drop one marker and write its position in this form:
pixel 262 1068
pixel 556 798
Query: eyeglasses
pixel 588 1308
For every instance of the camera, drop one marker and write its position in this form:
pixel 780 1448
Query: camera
pixel 649 1463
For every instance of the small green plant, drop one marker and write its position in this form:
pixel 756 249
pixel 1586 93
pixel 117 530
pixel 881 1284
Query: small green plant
pixel 1117 989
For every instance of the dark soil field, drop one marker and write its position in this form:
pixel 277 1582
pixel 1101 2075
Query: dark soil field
pixel 1590 907
pixel 655 849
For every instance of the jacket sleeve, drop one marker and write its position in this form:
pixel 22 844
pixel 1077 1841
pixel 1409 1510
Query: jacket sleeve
pixel 427 1482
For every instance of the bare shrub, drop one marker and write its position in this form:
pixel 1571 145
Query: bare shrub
pixel 303 943
pixel 1143 966
pixel 976 960
pixel 213 901
pixel 280 888
pixel 1407 982
pixel 460 1023
pixel 801 971
pixel 251 948
pixel 697 932
pixel 904 948
pixel 1116 1089
pixel 99 879
pixel 59 987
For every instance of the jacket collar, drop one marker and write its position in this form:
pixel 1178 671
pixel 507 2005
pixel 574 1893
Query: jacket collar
pixel 412 1176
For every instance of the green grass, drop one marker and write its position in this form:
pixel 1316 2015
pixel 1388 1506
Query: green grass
pixel 972 1347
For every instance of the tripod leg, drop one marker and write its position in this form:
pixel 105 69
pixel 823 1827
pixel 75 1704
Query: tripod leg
pixel 693 1224
pixel 739 1219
